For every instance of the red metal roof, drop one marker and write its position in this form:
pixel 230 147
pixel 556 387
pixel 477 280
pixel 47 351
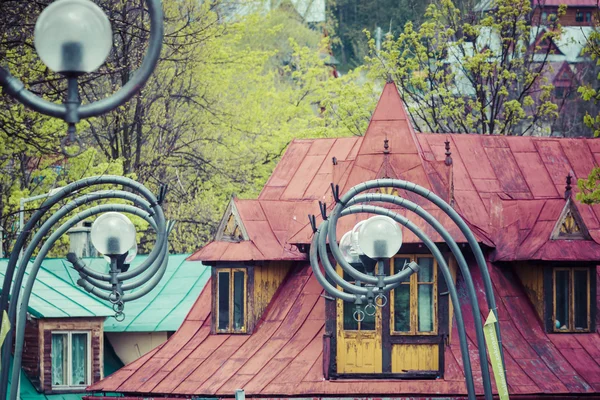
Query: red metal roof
pixel 484 168
pixel 284 356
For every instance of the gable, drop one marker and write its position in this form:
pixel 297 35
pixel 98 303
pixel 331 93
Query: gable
pixel 570 225
pixel 231 228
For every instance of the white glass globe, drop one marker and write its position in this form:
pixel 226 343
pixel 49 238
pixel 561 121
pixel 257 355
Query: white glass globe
pixel 113 234
pixel 73 36
pixel 348 250
pixel 380 237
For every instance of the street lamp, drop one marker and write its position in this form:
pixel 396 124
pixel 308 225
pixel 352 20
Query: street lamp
pixel 377 239
pixel 74 37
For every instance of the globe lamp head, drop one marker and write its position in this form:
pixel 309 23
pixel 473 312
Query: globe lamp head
pixel 73 36
pixel 113 234
pixel 379 237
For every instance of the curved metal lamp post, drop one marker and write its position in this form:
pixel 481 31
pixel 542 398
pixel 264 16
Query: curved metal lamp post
pixel 371 289
pixel 74 37
pixel 77 45
pixel 112 234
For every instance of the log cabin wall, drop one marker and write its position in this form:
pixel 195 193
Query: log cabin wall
pixel 95 326
pixel 31 352
pixel 532 279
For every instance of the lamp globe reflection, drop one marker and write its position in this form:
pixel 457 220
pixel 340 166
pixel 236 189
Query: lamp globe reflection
pixel 73 36
pixel 379 237
pixel 113 234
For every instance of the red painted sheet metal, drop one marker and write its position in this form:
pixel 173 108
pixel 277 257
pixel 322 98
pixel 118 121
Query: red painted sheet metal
pixel 283 357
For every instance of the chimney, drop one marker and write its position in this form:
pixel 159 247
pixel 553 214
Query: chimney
pixel 80 240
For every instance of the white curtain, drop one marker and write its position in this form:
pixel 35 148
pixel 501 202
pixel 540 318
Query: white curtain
pixel 58 361
pixel 79 358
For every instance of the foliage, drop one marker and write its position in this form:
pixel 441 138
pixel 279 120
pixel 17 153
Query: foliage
pixel 461 74
pixel 226 99
pixel 590 187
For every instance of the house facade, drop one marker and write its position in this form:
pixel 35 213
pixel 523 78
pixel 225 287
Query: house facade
pixel 264 324
pixel 72 339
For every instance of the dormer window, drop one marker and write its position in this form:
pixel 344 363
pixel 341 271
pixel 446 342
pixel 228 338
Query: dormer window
pixel 70 360
pixel 230 300
pixel 571 295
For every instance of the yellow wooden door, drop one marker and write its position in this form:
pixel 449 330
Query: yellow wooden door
pixel 358 343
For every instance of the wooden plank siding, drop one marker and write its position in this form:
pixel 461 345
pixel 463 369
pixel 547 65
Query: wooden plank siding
pixel 267 279
pixel 407 358
pixel 532 279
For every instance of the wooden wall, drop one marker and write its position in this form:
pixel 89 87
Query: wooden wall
pixel 267 279
pixel 569 19
pixel 415 357
pixel 31 352
pixel 532 278
pixel 93 325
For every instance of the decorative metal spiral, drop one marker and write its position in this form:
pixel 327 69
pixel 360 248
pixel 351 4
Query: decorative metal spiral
pixel 371 289
pixel 116 286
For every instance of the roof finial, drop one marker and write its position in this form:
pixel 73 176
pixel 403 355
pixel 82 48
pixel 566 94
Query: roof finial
pixel 448 160
pixel 568 187
pixel 386 146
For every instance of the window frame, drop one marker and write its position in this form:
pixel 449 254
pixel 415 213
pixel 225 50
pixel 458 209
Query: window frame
pixel 571 326
pixel 231 271
pixel 69 335
pixel 414 299
pixel 578 16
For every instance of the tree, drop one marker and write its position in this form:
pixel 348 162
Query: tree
pixel 590 187
pixel 459 73
pixel 224 102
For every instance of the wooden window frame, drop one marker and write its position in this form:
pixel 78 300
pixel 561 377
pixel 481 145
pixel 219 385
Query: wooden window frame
pixel 571 326
pixel 414 299
pixel 230 328
pixel 69 335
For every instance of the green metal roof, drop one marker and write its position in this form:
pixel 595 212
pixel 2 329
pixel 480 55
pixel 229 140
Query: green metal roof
pixel 54 297
pixel 164 308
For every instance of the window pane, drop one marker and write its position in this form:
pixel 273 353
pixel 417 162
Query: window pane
pixel 59 359
pixel 79 359
pixel 349 323
pixel 223 281
pixel 581 299
pixel 238 300
pixel 562 300
pixel 425 308
pixel 399 264
pixel 425 273
pixel 402 308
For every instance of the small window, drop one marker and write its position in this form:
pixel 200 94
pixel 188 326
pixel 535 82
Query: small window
pixel 571 295
pixel 544 16
pixel 588 17
pixel 579 16
pixel 414 302
pixel 231 300
pixel 70 359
